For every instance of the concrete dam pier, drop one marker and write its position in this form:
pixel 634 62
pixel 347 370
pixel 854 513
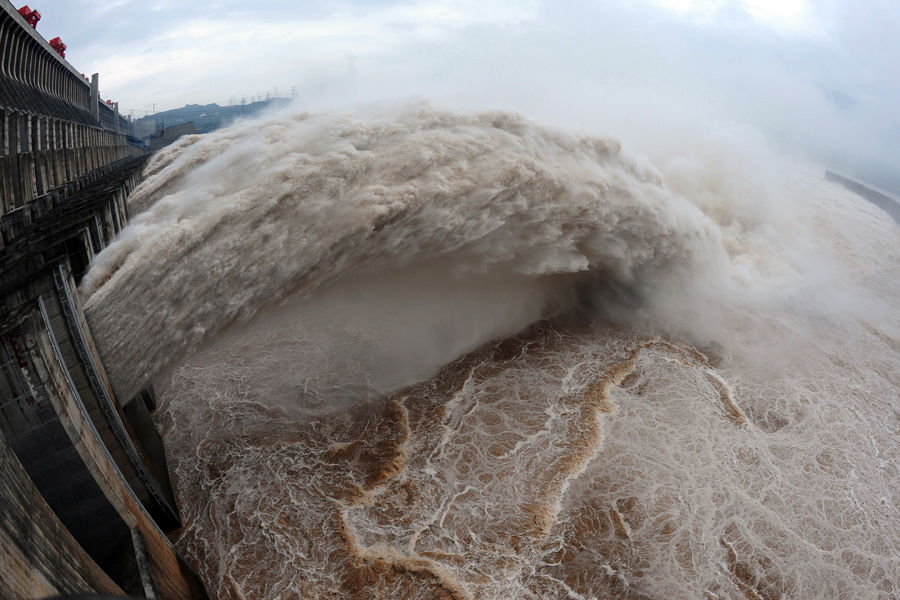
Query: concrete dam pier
pixel 85 497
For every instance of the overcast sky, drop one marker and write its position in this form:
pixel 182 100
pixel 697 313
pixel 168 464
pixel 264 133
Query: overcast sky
pixel 816 76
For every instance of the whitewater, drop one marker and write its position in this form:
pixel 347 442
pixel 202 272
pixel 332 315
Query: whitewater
pixel 421 354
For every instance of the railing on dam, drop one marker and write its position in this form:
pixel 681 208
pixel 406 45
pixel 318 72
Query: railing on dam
pixel 35 77
pixel 53 126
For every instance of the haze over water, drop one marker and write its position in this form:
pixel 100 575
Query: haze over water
pixel 416 354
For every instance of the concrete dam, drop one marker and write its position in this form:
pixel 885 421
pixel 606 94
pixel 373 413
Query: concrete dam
pixel 85 497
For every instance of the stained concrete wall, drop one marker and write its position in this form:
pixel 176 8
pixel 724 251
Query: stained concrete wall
pixel 115 430
pixel 45 422
pixel 35 75
pixel 48 133
pixel 39 556
pixel 102 477
pixel 85 497
pixel 94 203
pixel 38 264
pixel 35 78
pixel 40 153
pixel 39 414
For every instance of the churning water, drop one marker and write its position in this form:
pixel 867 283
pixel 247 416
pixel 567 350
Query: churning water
pixel 428 355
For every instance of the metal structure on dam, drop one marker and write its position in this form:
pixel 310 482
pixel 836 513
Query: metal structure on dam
pixel 85 496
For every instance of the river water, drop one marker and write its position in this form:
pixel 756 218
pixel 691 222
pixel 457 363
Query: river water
pixel 425 355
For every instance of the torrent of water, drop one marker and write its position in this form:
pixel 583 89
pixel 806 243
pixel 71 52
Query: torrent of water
pixel 428 355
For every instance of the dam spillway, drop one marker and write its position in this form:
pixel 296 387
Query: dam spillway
pixel 85 496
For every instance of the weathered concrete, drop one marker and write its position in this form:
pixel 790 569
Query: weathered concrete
pixel 39 556
pixel 54 127
pixel 116 431
pixel 85 496
pixel 95 98
pixel 40 422
pixel 48 426
pixel 44 396
pixel 34 78
pixel 39 154
pixel 27 58
pixel 87 212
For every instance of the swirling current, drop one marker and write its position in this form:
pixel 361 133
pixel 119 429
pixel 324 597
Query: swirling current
pixel 435 355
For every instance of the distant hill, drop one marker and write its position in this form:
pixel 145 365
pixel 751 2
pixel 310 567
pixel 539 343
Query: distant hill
pixel 206 117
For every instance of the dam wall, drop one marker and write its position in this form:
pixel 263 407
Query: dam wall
pixel 54 127
pixel 57 438
pixel 86 503
pixel 879 199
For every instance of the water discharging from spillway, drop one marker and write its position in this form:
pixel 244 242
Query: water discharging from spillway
pixel 428 355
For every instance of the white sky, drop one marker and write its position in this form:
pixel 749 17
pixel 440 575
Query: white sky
pixel 820 76
pixel 785 16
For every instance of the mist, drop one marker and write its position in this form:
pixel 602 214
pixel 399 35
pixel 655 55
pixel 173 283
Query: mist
pixel 652 81
pixel 806 78
pixel 229 222
pixel 419 234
